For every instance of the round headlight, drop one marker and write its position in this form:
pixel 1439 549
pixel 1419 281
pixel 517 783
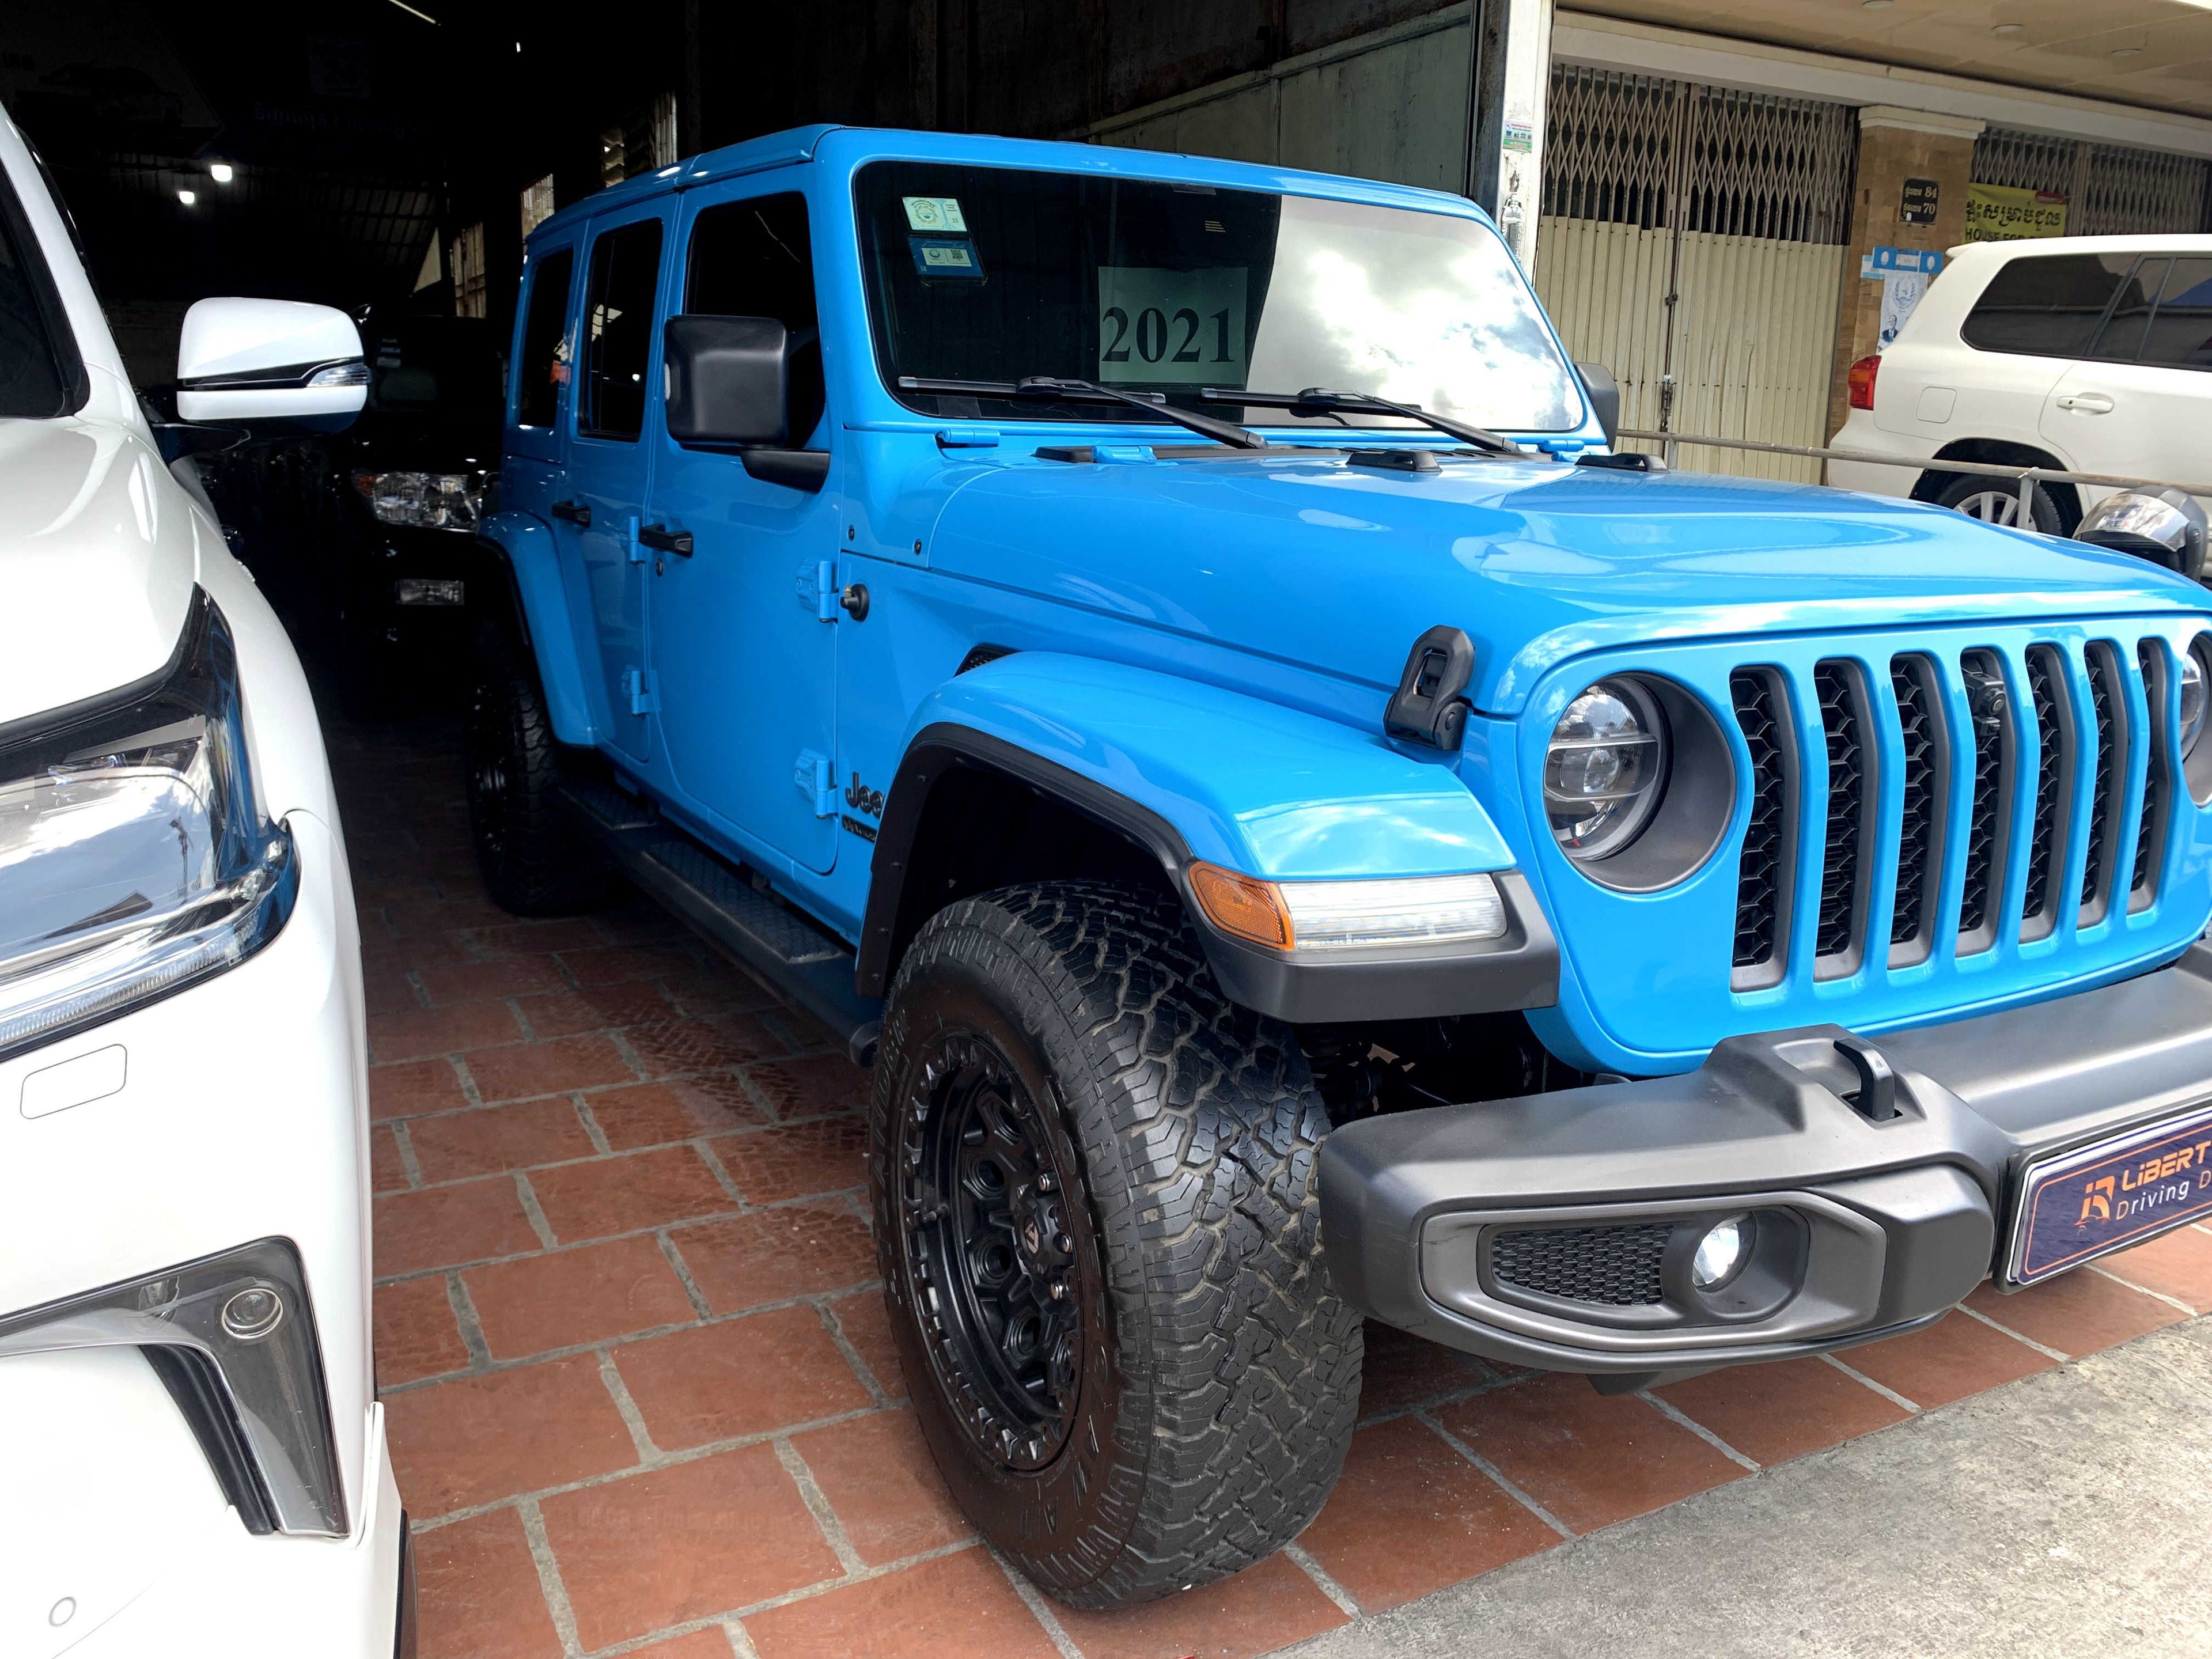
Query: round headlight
pixel 1606 768
pixel 2193 679
pixel 1721 1252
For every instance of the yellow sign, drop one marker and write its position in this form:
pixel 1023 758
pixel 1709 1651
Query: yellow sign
pixel 2002 213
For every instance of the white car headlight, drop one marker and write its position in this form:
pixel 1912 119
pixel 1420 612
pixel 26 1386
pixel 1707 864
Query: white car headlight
pixel 1330 917
pixel 133 860
pixel 423 501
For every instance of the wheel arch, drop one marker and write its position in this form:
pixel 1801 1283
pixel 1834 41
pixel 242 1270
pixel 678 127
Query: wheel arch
pixel 523 567
pixel 1933 480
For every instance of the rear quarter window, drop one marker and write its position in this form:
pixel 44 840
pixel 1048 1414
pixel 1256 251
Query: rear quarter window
pixel 2047 304
pixel 543 369
pixel 40 377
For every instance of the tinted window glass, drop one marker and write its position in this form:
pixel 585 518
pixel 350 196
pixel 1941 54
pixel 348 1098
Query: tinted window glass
pixel 545 345
pixel 2180 335
pixel 2123 337
pixel 2046 305
pixel 32 384
pixel 618 329
pixel 754 259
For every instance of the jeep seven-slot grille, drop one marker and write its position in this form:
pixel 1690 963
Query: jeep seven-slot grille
pixel 2073 703
pixel 1616 1266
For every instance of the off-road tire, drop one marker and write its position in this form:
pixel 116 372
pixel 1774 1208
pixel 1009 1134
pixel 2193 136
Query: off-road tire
pixel 1219 1370
pixel 533 864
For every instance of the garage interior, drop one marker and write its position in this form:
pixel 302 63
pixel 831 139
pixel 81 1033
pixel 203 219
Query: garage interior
pixel 641 1390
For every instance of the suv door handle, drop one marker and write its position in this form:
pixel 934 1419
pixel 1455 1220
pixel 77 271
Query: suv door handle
pixel 2088 403
pixel 663 539
pixel 576 513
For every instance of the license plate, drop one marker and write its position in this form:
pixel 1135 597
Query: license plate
pixel 2111 1194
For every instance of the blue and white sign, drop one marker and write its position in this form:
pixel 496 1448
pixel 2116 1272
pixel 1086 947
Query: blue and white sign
pixel 1905 273
pixel 1900 262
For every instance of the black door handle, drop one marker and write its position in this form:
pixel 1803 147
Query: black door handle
pixel 662 539
pixel 575 512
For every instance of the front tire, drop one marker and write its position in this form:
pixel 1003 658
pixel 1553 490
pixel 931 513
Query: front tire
pixel 1093 1180
pixel 533 864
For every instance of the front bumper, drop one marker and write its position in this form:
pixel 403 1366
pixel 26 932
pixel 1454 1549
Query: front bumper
pixel 1865 1227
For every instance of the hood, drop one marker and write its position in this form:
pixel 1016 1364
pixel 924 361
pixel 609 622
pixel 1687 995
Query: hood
pixel 98 556
pixel 1313 561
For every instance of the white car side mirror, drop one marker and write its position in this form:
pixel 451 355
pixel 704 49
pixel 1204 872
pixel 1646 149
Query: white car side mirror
pixel 267 361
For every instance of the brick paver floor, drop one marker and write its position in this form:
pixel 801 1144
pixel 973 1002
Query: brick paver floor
pixel 641 1390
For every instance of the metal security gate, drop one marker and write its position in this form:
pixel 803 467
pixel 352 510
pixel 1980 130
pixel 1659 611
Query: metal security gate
pixel 2114 190
pixel 1692 241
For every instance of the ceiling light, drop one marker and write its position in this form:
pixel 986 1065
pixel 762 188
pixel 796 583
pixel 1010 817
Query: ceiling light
pixel 1876 5
pixel 221 171
pixel 2127 51
pixel 2008 28
pixel 188 197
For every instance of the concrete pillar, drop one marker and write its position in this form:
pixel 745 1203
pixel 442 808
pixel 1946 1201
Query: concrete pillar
pixel 1509 78
pixel 1896 145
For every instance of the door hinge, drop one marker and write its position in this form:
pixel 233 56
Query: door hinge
pixel 818 588
pixel 643 687
pixel 811 774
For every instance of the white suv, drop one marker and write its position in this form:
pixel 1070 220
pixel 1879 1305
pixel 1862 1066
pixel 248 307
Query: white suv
pixel 2088 353
pixel 191 1457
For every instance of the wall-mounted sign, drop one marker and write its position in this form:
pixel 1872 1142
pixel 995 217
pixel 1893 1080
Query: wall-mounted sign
pixel 1917 205
pixel 2002 213
pixel 1904 273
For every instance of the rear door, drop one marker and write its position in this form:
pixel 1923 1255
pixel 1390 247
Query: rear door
pixel 2142 405
pixel 610 463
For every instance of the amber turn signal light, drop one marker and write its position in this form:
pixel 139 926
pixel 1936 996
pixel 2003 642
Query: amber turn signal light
pixel 1239 905
pixel 1861 379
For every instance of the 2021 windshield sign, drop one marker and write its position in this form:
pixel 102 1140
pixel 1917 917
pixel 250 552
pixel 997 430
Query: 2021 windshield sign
pixel 1184 327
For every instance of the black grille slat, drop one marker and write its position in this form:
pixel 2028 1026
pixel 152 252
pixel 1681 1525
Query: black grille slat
pixel 2044 837
pixel 1988 707
pixel 1847 756
pixel 2154 799
pixel 1919 830
pixel 1764 874
pixel 2102 692
pixel 1617 1267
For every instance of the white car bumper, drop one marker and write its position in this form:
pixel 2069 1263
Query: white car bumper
pixel 1860 433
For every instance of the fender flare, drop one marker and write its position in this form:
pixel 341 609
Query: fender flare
pixel 522 546
pixel 1137 769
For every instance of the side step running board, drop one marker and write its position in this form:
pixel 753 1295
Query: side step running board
pixel 719 903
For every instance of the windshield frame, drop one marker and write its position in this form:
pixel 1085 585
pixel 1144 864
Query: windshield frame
pixel 1126 168
pixel 51 317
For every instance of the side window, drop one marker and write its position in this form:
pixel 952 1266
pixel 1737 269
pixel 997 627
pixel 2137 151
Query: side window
pixel 754 259
pixel 2123 338
pixel 2046 305
pixel 2180 333
pixel 618 343
pixel 544 369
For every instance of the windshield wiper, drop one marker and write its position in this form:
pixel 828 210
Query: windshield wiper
pixel 1314 400
pixel 1046 388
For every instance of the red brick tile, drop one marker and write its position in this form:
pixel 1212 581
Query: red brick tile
pixel 2179 1264
pixel 817 1087
pixel 868 1325
pixel 1590 1459
pixel 477 1592
pixel 716 989
pixel 1410 1515
pixel 1261 1609
pixel 805 1031
pixel 2076 1313
pixel 414 1032
pixel 700 1045
pixel 415 1336
pixel 797 1160
pixel 1772 1413
pixel 545 1068
pixel 604 1008
pixel 416 1087
pixel 774 1255
pixel 477 1439
pixel 475 982
pixel 881 1483
pixel 1404 1369
pixel 648 1114
pixel 750 1376
pixel 1952 1358
pixel 515 938
pixel 487 1139
pixel 387 1172
pixel 444 1226
pixel 708 1644
pixel 953 1607
pixel 683 1543
pixel 429 918
pixel 611 964
pixel 621 1194
pixel 387 989
pixel 585 1295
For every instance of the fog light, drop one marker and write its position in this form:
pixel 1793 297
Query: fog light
pixel 1721 1252
pixel 427 590
pixel 253 1313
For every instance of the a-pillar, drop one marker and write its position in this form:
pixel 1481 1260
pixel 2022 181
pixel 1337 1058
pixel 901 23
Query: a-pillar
pixel 1895 146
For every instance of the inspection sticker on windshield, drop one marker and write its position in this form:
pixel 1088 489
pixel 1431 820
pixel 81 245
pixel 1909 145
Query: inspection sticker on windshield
pixel 1183 326
pixel 945 256
pixel 2111 1194
pixel 934 213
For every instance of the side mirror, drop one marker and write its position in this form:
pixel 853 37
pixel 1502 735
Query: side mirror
pixel 2166 527
pixel 265 363
pixel 1604 398
pixel 729 381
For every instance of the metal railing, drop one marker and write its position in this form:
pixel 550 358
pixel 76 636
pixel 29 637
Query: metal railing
pixel 2027 478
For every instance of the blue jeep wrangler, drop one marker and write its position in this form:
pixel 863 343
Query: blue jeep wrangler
pixel 1159 657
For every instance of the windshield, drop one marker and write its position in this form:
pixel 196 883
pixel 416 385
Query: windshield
pixel 33 383
pixel 994 274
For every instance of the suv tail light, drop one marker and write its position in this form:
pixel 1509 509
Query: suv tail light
pixel 1861 380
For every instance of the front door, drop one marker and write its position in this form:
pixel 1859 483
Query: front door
pixel 2140 406
pixel 744 628
pixel 610 463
